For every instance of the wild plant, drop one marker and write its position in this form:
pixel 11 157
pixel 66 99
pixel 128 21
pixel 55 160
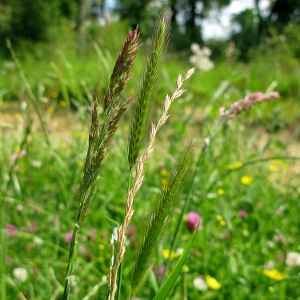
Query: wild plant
pixel 139 151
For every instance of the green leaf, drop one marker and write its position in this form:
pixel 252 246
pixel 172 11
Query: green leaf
pixel 167 286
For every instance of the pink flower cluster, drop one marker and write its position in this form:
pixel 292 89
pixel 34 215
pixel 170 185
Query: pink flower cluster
pixel 247 103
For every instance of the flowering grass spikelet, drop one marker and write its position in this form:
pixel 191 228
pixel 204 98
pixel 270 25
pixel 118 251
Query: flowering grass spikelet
pixel 100 139
pixel 247 103
pixel 147 86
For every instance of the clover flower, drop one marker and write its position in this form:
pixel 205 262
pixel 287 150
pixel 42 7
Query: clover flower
pixel 11 230
pixel 293 259
pixel 20 274
pixel 159 271
pixel 193 220
pixel 242 214
pixel 200 58
pixel 68 237
pixel 200 284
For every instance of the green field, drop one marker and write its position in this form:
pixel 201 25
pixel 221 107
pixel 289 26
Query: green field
pixel 245 186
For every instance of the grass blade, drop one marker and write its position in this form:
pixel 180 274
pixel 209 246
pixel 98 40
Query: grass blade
pixel 160 216
pixel 169 283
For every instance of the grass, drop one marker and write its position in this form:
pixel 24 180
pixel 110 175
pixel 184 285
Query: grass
pixel 246 189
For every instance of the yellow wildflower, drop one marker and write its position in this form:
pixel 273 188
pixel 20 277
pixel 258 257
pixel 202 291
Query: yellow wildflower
pixel 222 223
pixel 274 166
pixel 166 254
pixel 164 183
pixel 163 172
pixel 212 283
pixel 185 269
pixel 126 128
pixel 62 103
pixel 220 192
pixel 29 138
pixel 235 166
pixel 18 116
pixel 219 218
pixel 246 180
pixel 273 274
pixel 50 110
pixel 63 144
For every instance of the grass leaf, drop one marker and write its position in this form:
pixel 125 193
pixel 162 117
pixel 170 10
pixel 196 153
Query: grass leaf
pixel 169 283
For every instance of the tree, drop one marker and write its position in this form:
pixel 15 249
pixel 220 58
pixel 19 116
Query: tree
pixel 133 11
pixel 192 12
pixel 254 27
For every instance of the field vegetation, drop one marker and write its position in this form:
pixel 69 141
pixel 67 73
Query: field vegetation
pixel 239 191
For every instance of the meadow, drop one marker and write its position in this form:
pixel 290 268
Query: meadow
pixel 244 187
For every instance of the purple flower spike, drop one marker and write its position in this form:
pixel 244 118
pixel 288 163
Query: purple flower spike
pixel 193 220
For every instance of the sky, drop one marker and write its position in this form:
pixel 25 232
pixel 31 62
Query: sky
pixel 218 25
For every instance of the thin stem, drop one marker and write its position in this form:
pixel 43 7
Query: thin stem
pixel 71 262
pixel 31 96
pixel 120 273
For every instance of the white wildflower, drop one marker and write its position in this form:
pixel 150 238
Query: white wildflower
pixel 195 48
pixel 293 259
pixel 200 284
pixel 20 274
pixel 200 58
pixel 38 241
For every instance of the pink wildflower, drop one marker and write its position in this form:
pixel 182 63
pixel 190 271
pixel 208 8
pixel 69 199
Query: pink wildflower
pixel 68 237
pixel 242 214
pixel 92 234
pixel 16 155
pixel 11 230
pixel 158 272
pixel 193 220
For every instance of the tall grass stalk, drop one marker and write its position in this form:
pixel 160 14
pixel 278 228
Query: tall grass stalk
pixel 160 216
pixel 100 139
pixel 138 180
pixel 147 86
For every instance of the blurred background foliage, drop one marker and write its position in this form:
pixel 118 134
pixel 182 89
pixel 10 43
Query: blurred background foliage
pixel 67 48
pixel 36 20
